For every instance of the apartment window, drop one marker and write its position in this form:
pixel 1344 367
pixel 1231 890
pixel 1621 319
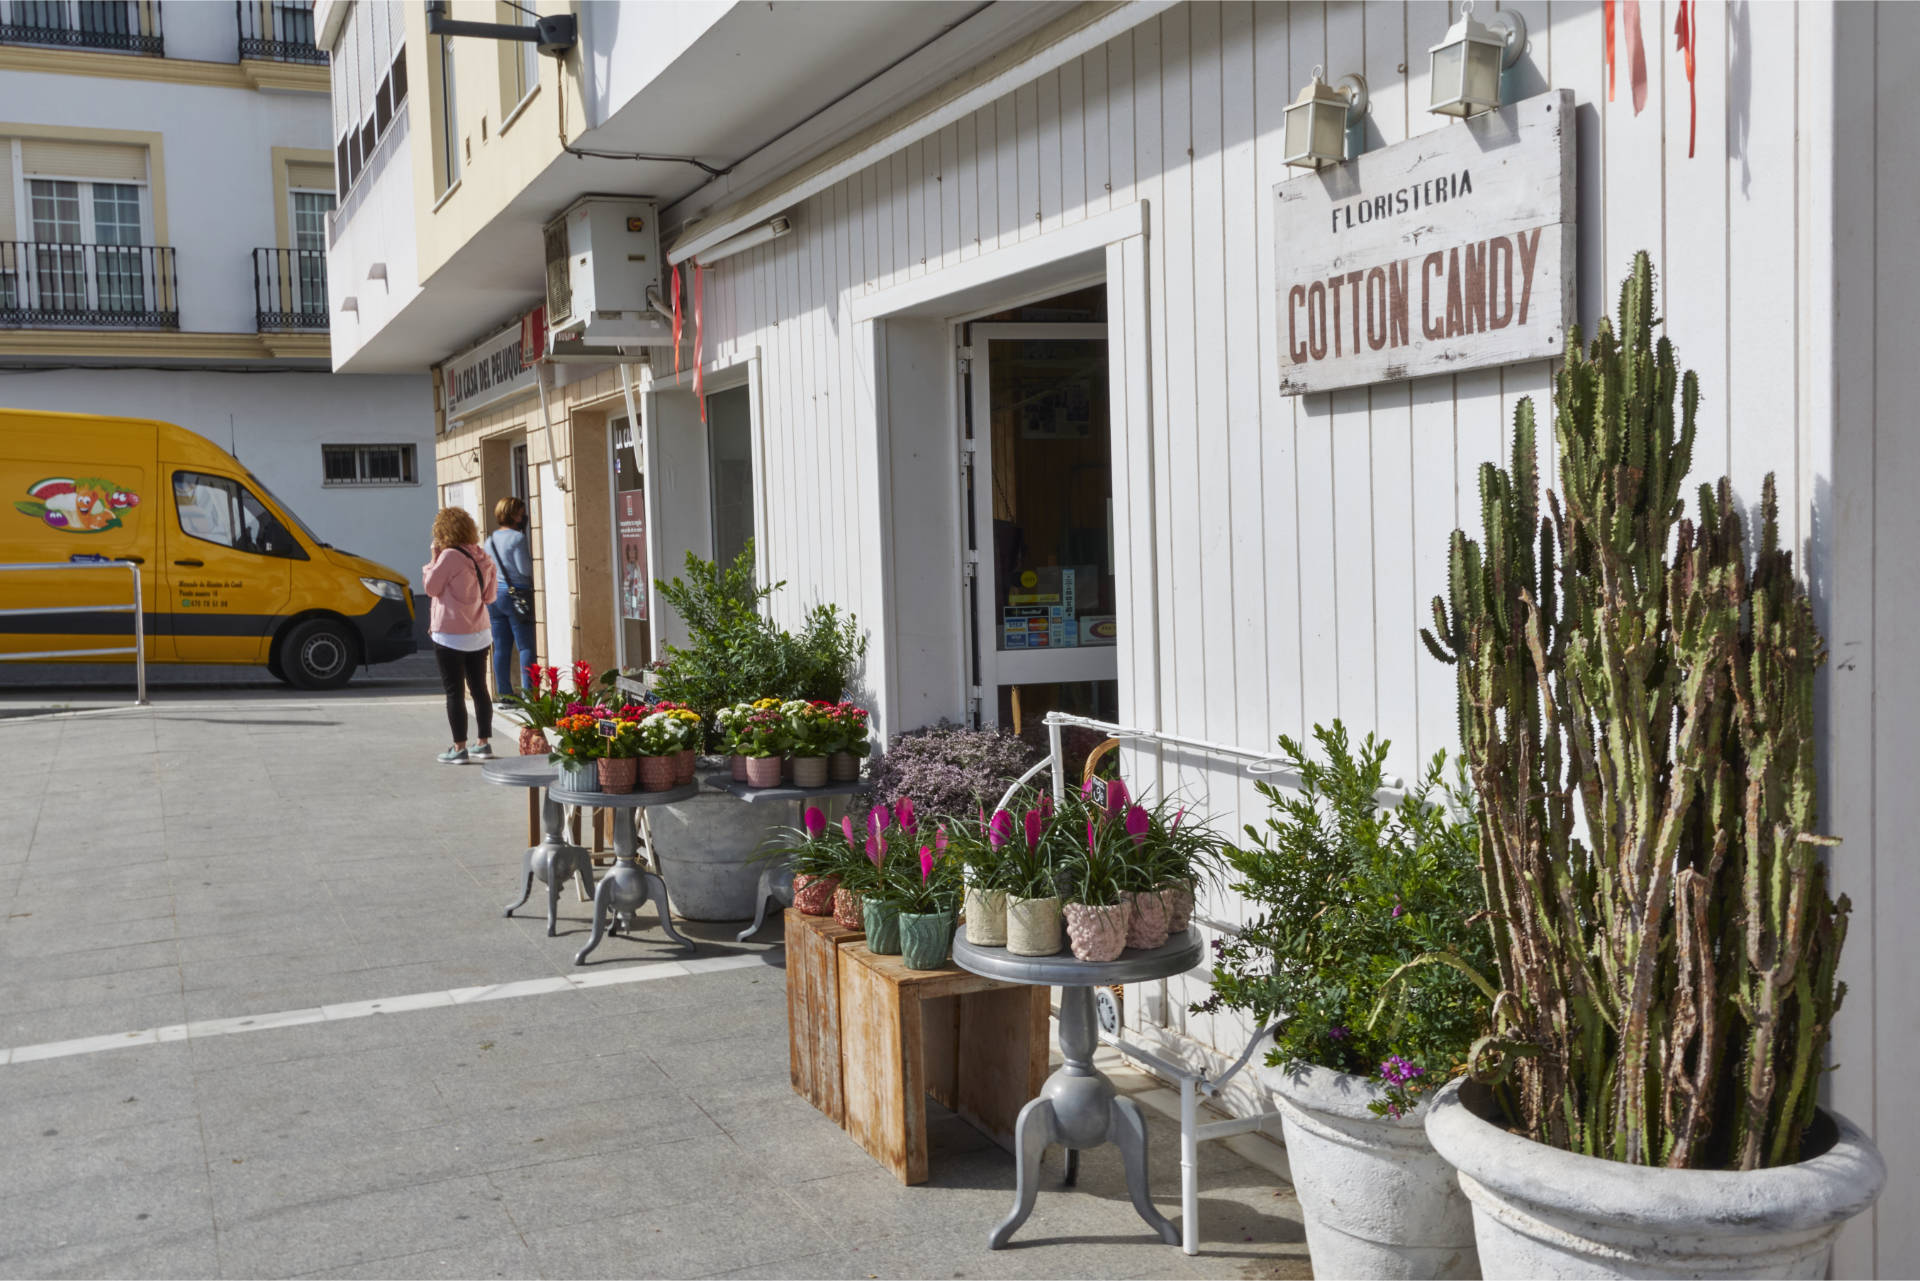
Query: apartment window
pixel 368 465
pixel 124 26
pixel 521 58
pixel 449 118
pixel 309 211
pixel 104 220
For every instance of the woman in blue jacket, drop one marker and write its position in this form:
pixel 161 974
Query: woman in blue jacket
pixel 512 618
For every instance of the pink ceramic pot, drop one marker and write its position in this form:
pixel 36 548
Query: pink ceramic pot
pixel 1179 899
pixel 683 766
pixel 617 773
pixel 1098 933
pixel 763 771
pixel 1147 924
pixel 814 895
pixel 533 742
pixel 738 764
pixel 849 912
pixel 656 774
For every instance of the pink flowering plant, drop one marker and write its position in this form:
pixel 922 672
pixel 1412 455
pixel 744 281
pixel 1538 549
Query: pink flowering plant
pixel 1369 937
pixel 928 882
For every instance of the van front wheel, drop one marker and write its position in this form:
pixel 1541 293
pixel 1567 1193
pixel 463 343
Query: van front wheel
pixel 318 654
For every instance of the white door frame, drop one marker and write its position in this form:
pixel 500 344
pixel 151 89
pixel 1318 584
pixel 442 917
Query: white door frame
pixel 997 666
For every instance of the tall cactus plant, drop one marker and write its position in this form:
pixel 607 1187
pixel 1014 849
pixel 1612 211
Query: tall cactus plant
pixel 1636 702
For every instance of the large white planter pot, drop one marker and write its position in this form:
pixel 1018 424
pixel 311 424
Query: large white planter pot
pixel 1542 1212
pixel 1376 1199
pixel 709 849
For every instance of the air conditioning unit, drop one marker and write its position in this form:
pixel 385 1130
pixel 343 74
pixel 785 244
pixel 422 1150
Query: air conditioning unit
pixel 602 254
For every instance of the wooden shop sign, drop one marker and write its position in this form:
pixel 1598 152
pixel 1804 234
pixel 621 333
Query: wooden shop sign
pixel 1450 251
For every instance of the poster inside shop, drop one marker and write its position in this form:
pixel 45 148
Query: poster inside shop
pixel 1450 251
pixel 632 528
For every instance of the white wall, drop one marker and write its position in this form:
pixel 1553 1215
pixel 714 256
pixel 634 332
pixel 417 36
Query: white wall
pixel 1299 539
pixel 280 420
pixel 218 152
pixel 375 225
pixel 204 32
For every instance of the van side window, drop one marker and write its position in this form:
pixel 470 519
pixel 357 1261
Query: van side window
pixel 218 510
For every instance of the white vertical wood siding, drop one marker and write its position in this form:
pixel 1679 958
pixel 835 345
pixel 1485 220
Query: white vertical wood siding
pixel 1299 538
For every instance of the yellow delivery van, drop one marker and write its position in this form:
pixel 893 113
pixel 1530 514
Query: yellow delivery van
pixel 228 574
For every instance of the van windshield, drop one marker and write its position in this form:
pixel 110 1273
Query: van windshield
pixel 288 512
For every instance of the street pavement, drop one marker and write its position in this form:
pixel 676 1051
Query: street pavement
pixel 260 1016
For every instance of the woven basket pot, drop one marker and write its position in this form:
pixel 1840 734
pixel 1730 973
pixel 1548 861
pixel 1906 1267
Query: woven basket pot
pixel 883 927
pixel 1033 926
pixel 986 917
pixel 848 913
pixel 925 938
pixel 814 895
pixel 1179 900
pixel 1147 923
pixel 763 771
pixel 1098 933
pixel 533 741
pixel 809 771
pixel 843 767
pixel 617 773
pixel 657 774
pixel 683 767
pixel 738 766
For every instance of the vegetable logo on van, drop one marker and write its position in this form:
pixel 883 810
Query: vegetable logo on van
pixel 85 506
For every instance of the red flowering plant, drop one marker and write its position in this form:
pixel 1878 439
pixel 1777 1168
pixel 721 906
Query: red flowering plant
pixel 763 732
pixel 537 705
pixel 845 727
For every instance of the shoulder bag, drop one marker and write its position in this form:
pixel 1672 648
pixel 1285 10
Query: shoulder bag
pixel 519 599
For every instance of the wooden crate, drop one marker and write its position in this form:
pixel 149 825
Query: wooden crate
pixel 977 1045
pixel 813 1009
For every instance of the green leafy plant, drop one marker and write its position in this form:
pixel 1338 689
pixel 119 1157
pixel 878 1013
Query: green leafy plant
pixel 1636 701
pixel 811 727
pixel 735 653
pixel 1366 936
pixel 927 882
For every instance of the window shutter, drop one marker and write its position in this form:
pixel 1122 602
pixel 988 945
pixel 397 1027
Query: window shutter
pixel 308 177
pixel 6 189
pixel 111 162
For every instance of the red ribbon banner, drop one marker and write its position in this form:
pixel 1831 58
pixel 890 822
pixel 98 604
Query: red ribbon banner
pixel 1636 57
pixel 1606 16
pixel 699 345
pixel 1685 39
pixel 676 322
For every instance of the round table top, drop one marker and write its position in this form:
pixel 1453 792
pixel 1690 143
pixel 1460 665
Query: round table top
pixel 520 771
pixel 623 800
pixel 786 791
pixel 1176 956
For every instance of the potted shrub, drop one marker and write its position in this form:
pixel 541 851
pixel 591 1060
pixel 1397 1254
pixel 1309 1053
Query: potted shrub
pixel 1637 705
pixel 576 747
pixel 763 737
pixel 1346 901
pixel 538 706
pixel 923 894
pixel 849 742
pixel 811 735
pixel 1034 919
pixel 1099 899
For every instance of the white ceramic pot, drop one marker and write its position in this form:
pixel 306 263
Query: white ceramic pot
pixel 1033 926
pixel 986 917
pixel 1376 1199
pixel 809 771
pixel 1542 1212
pixel 1098 933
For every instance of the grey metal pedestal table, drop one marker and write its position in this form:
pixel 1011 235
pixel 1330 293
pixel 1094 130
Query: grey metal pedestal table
pixel 1078 1105
pixel 776 882
pixel 630 882
pixel 554 859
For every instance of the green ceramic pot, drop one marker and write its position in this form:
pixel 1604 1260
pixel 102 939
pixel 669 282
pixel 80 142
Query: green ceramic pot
pixel 924 939
pixel 883 927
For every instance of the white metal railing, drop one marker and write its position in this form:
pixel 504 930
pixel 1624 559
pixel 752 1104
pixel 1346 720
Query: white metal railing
pixel 139 647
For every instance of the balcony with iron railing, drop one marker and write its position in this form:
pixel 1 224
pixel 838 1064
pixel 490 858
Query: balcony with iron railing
pixel 118 26
pixel 278 31
pixel 71 286
pixel 290 290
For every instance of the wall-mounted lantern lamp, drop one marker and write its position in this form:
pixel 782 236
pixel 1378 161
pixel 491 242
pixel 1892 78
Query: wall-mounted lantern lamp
pixel 1467 64
pixel 1316 123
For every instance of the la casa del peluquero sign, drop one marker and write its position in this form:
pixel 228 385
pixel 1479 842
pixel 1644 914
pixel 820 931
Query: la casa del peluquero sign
pixel 1450 251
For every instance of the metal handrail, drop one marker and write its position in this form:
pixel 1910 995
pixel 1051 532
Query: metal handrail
pixel 139 647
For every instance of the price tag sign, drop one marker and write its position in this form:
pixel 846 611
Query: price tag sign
pixel 609 728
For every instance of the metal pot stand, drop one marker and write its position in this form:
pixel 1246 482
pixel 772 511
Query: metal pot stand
pixel 632 881
pixel 555 858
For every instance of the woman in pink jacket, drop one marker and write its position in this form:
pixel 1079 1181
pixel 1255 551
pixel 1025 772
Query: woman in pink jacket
pixel 461 579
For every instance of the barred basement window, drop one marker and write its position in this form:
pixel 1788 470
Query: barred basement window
pixel 368 464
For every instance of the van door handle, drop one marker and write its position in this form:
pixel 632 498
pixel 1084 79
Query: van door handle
pixel 134 560
pixel 195 563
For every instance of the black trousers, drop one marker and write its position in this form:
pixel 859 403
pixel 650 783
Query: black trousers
pixel 468 667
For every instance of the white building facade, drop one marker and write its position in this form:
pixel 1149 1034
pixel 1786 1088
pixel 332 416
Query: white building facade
pixel 166 186
pixel 1027 316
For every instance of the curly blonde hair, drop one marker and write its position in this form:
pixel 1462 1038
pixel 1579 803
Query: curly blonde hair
pixel 454 527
